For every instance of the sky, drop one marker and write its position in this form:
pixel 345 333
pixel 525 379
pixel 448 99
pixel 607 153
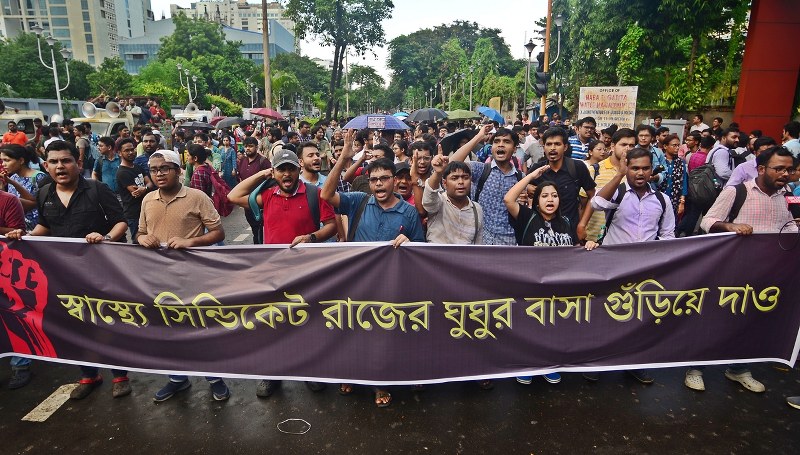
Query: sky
pixel 515 18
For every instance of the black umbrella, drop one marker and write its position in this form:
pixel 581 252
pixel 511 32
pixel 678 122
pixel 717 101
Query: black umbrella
pixel 450 142
pixel 228 122
pixel 196 126
pixel 427 114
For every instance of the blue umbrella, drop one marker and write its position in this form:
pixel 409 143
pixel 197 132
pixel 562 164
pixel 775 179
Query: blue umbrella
pixel 491 114
pixel 400 114
pixel 376 122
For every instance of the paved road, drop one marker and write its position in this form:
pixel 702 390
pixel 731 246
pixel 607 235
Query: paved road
pixel 614 416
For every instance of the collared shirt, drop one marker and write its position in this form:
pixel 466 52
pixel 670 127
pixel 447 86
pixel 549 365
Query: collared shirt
pixel 721 160
pixel 568 188
pixel 286 217
pixel 636 220
pixel 793 145
pixel 320 180
pixel 491 198
pixel 450 224
pixel 606 172
pixel 743 172
pixel 82 216
pixel 765 213
pixel 19 138
pixel 579 150
pixel 246 168
pixel 11 213
pixel 187 215
pixel 107 171
pixel 378 224
pixel 700 127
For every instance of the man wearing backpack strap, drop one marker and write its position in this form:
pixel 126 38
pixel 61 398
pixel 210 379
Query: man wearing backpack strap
pixel 292 212
pixel 764 209
pixel 639 213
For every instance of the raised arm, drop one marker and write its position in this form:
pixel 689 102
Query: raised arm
pixel 510 199
pixel 329 188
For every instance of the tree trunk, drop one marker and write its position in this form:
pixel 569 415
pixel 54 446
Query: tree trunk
pixel 695 44
pixel 337 57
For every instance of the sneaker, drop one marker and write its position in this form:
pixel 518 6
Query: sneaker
pixel 745 379
pixel 793 402
pixel 642 376
pixel 85 387
pixel 694 380
pixel 220 390
pixel 20 377
pixel 591 376
pixel 120 387
pixel 266 388
pixel 525 379
pixel 315 386
pixel 552 378
pixel 171 389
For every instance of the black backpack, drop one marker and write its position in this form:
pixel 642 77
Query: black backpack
pixel 704 184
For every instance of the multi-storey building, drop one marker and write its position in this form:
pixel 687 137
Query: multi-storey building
pixel 89 28
pixel 237 14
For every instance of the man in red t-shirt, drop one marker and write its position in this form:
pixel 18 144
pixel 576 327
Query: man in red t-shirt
pixel 14 136
pixel 287 218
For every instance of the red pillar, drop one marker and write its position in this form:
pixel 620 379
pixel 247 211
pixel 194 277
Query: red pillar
pixel 770 67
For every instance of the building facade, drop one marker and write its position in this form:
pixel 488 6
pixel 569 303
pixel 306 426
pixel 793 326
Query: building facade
pixel 137 52
pixel 89 29
pixel 237 14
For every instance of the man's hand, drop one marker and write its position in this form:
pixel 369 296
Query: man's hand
pixel 94 237
pixel 16 234
pixel 739 229
pixel 485 132
pixel 401 239
pixel 300 239
pixel 347 151
pixel 581 230
pixel 414 171
pixel 179 243
pixel 149 241
pixel 438 163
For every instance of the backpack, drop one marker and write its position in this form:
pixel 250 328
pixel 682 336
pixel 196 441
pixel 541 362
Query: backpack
pixel 596 167
pixel 219 194
pixel 487 169
pixel 621 190
pixel 740 158
pixel 94 199
pixel 258 213
pixel 94 152
pixel 704 184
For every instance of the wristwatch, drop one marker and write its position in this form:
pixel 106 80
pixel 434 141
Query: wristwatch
pixel 107 238
pixel 313 237
pixel 420 183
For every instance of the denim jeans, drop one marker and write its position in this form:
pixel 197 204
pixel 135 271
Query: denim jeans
pixel 92 372
pixel 20 362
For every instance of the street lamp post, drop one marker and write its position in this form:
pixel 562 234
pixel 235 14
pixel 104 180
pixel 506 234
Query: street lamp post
pixel 529 47
pixel 471 85
pixel 188 87
pixel 64 53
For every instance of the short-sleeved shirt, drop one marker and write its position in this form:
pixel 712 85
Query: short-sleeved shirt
pixel 127 176
pixel 11 211
pixel 187 215
pixel 491 198
pixel 106 170
pixel 379 225
pixel 286 217
pixel 19 138
pixel 605 173
pixel 83 215
pixel 539 232
pixel 580 151
pixel 246 168
pixel 568 187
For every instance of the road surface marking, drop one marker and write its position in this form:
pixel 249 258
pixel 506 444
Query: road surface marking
pixel 241 238
pixel 51 404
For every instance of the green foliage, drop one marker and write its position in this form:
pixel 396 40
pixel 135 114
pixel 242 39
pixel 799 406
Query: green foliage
pixel 688 92
pixel 111 78
pixel 631 58
pixel 312 77
pixel 285 87
pixel 228 107
pixel 495 85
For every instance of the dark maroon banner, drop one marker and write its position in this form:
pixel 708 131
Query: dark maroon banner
pixel 370 313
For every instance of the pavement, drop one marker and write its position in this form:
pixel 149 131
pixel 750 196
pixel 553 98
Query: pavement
pixel 615 415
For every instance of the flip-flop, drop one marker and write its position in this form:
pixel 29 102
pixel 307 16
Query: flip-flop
pixel 380 394
pixel 345 389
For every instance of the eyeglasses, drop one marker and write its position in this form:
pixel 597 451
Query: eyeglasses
pixel 383 179
pixel 161 169
pixel 425 158
pixel 781 169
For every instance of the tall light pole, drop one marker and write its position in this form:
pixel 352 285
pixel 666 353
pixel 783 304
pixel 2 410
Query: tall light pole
pixel 64 53
pixel 265 43
pixel 529 47
pixel 188 87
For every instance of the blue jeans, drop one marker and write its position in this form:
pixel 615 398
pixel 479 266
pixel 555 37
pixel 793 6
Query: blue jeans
pixel 20 362
pixel 177 378
pixel 92 372
pixel 133 224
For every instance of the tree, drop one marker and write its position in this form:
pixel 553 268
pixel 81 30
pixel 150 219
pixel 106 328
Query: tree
pixel 313 78
pixel 341 24
pixel 111 78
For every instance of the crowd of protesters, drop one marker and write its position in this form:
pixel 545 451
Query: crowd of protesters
pixel 543 183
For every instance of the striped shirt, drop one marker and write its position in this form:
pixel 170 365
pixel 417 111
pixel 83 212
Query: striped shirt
pixel 765 213
pixel 580 151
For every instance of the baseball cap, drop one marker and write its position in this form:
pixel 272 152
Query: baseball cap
pixel 403 166
pixel 168 155
pixel 285 156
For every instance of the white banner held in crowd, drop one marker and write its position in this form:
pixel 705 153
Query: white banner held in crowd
pixel 609 105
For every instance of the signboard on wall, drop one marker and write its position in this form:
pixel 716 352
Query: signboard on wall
pixel 609 105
